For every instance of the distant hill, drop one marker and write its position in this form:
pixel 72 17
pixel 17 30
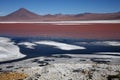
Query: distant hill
pixel 21 14
pixel 98 16
pixel 25 15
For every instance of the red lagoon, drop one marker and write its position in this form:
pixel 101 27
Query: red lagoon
pixel 91 31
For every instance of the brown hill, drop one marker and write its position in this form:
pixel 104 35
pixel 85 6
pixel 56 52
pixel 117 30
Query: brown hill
pixel 26 15
pixel 21 14
pixel 98 16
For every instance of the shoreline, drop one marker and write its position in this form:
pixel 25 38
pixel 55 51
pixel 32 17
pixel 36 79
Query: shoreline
pixel 65 22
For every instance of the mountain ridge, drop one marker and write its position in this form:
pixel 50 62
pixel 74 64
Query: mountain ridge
pixel 23 14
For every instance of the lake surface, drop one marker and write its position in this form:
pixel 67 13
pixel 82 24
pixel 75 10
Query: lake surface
pixel 91 46
pixel 34 40
pixel 48 46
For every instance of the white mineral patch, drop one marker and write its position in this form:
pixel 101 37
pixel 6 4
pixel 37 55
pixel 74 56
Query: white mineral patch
pixel 59 45
pixel 8 50
pixel 110 53
pixel 108 43
pixel 95 55
pixel 4 40
pixel 102 43
pixel 65 22
pixel 28 44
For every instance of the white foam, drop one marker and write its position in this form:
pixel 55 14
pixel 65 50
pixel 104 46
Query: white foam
pixel 28 44
pixel 8 50
pixel 59 45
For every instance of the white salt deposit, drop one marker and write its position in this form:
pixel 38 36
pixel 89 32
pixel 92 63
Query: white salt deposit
pixel 110 53
pixel 59 45
pixel 102 43
pixel 107 43
pixel 66 22
pixel 28 44
pixel 8 50
pixel 4 40
pixel 95 55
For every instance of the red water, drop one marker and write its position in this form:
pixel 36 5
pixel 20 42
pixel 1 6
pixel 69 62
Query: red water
pixel 93 31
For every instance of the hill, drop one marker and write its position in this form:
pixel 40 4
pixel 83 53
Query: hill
pixel 23 14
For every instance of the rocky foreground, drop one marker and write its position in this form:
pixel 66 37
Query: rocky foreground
pixel 63 68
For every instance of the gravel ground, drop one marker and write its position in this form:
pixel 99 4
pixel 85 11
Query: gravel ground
pixel 51 68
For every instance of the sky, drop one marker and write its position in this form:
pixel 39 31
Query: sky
pixel 43 7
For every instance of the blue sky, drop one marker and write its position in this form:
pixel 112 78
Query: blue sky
pixel 60 6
